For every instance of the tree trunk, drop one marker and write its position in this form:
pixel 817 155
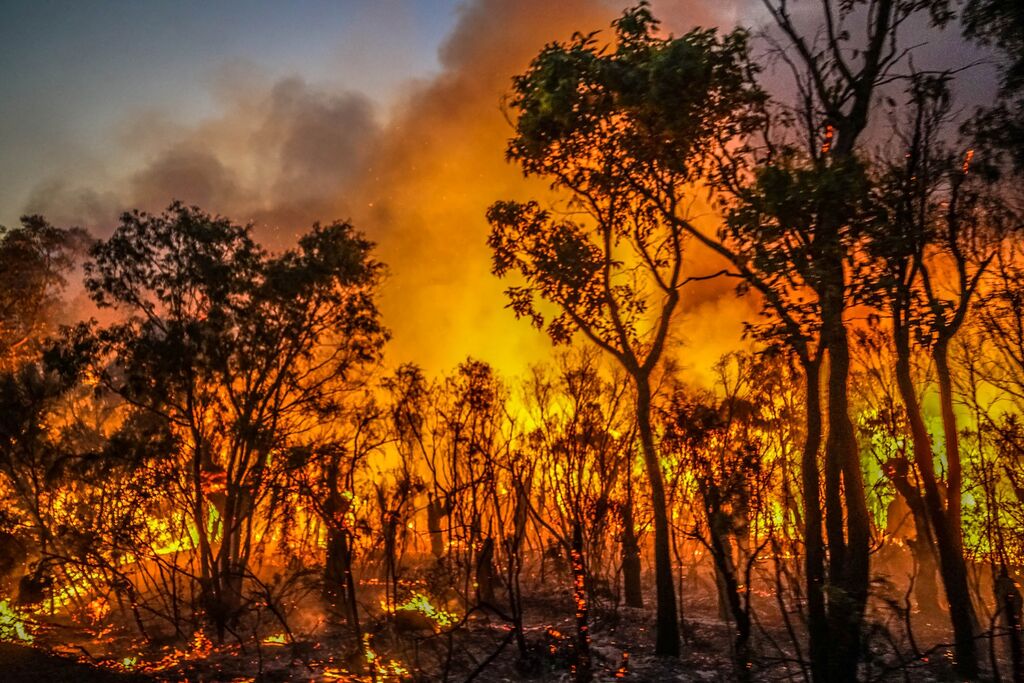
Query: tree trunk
pixel 633 587
pixel 582 668
pixel 224 596
pixel 922 547
pixel 849 561
pixel 667 624
pixel 434 514
pixel 486 576
pixel 1010 607
pixel 814 547
pixel 926 588
pixel 952 565
pixel 338 572
pixel 954 471
pixel 729 590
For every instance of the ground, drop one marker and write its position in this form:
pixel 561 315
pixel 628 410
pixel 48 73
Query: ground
pixel 23 664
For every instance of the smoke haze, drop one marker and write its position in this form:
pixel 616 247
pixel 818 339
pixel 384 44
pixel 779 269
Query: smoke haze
pixel 416 178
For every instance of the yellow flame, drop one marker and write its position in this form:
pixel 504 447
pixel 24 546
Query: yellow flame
pixel 13 626
pixel 388 669
pixel 418 602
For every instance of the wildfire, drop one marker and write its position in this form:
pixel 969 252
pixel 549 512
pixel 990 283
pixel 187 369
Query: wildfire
pixel 386 669
pixel 623 669
pixel 421 604
pixel 14 624
pixel 200 647
pixel 276 639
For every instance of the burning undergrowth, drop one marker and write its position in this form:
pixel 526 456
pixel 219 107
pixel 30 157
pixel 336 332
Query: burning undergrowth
pixel 223 479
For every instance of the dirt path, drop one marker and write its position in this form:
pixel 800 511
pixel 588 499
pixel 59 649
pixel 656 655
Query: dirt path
pixel 20 664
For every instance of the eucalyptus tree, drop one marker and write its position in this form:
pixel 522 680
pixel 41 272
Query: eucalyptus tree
pixel 35 260
pixel 938 231
pixel 240 353
pixel 999 127
pixel 583 438
pixel 590 119
pixel 723 444
pixel 796 201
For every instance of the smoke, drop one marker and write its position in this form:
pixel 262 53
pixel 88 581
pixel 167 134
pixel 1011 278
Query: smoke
pixel 416 178
pixel 278 154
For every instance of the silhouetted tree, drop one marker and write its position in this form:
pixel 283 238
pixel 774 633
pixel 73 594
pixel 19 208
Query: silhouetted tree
pixel 584 447
pixel 35 260
pixel 241 353
pixel 999 127
pixel 796 205
pixel 590 119
pixel 933 217
pixel 722 443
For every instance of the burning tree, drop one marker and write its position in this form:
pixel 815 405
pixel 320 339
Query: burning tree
pixel 35 260
pixel 937 222
pixel 238 354
pixel 723 446
pixel 590 119
pixel 584 442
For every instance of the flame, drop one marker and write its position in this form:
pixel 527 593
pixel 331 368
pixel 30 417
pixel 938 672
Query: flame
pixel 968 157
pixel 419 602
pixel 201 645
pixel 14 625
pixel 98 609
pixel 276 639
pixel 829 134
pixel 385 669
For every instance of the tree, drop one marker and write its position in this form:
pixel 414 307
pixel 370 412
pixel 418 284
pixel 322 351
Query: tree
pixel 722 444
pixel 240 353
pixel 31 446
pixel 883 426
pixel 34 262
pixel 934 219
pixel 583 444
pixel 796 205
pixel 999 362
pixel 590 119
pixel 324 472
pixel 999 128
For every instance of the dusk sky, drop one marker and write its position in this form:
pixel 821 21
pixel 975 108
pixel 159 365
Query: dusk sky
pixel 75 74
pixel 385 113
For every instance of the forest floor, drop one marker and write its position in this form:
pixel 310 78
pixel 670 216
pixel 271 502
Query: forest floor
pixel 412 653
pixel 25 664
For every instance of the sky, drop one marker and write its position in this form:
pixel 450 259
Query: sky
pixel 75 74
pixel 383 112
